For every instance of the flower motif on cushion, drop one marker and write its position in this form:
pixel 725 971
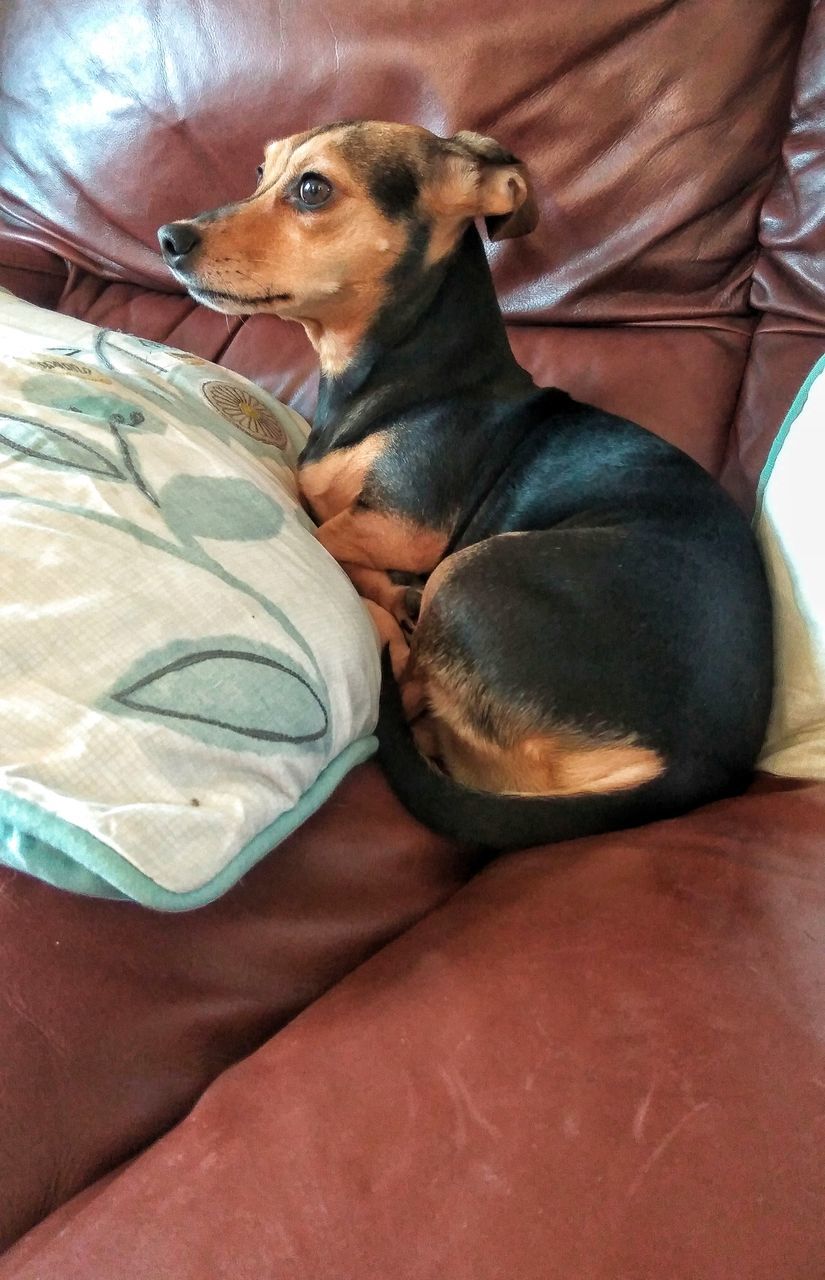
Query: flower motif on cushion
pixel 242 409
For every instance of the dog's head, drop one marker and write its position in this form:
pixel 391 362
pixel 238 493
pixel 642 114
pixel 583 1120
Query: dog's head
pixel 335 209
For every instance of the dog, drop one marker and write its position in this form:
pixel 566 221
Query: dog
pixel 575 617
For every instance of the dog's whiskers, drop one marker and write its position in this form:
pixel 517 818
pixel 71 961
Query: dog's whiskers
pixel 247 275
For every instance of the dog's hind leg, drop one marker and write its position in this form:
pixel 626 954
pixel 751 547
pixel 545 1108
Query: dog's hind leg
pixel 500 716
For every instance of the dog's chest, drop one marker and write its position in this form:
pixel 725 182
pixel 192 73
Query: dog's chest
pixel 333 482
pixel 430 468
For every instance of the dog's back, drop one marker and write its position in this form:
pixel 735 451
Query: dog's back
pixel 607 580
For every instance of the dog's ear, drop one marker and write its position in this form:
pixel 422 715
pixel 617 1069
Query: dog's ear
pixel 479 178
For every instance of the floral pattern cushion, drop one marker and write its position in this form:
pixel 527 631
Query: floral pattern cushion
pixel 185 674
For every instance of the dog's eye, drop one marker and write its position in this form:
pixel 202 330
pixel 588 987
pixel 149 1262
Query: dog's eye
pixel 260 172
pixel 313 190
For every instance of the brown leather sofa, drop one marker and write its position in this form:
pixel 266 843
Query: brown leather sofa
pixel 599 1061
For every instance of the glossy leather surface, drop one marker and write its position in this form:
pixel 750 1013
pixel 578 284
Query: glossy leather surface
pixel 787 290
pixel 113 1018
pixel 604 1065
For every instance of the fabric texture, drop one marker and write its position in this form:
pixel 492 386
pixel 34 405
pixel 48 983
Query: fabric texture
pixel 791 526
pixel 185 673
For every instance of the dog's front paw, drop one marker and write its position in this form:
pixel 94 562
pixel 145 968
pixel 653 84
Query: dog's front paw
pixel 406 607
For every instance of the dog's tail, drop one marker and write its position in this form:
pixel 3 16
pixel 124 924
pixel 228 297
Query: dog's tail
pixel 497 822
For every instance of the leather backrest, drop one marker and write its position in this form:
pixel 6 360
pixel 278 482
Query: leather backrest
pixel 651 127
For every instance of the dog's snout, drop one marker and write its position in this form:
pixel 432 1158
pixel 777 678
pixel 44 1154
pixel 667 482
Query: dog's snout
pixel 177 240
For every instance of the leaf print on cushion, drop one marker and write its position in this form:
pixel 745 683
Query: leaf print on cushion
pixel 51 446
pixel 229 692
pixel 57 391
pixel 221 507
pixel 244 410
pixel 185 357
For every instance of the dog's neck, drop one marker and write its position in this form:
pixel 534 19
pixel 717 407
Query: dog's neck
pixel 439 334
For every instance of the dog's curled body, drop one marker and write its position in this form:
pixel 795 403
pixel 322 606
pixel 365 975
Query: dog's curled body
pixel 592 647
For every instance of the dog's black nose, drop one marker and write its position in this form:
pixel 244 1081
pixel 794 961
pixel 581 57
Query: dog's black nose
pixel 177 239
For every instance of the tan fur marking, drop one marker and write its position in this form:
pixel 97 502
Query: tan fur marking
pixel 276 155
pixel 333 483
pixel 544 764
pixel 518 755
pixel 381 540
pixel 390 634
pixel 376 585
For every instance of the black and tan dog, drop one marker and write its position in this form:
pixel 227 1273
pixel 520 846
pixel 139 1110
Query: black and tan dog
pixel 593 641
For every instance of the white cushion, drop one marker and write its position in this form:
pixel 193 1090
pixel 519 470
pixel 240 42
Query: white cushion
pixel 790 523
pixel 185 674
